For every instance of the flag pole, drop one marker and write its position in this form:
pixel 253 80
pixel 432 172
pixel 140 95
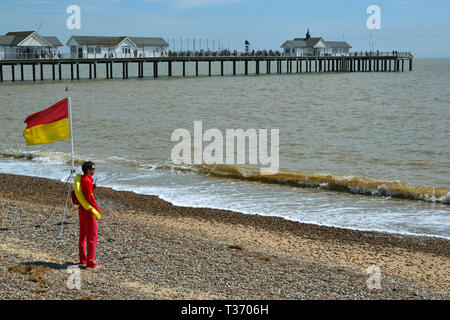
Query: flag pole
pixel 71 132
pixel 72 171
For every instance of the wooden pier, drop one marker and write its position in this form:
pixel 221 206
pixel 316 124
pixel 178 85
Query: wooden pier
pixel 284 65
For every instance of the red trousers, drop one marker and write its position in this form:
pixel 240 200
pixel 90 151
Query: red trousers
pixel 88 234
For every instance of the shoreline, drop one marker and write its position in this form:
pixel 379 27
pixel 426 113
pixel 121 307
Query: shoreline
pixel 412 267
pixel 391 233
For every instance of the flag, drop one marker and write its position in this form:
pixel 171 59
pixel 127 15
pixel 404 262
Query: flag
pixel 49 125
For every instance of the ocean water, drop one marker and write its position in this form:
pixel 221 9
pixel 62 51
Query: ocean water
pixel 367 151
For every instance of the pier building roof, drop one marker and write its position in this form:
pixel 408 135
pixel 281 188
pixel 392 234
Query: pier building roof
pixel 114 41
pixel 29 39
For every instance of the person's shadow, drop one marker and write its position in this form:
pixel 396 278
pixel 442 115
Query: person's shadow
pixel 50 265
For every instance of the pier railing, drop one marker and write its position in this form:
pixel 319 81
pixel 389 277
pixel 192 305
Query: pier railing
pixel 380 54
pixel 199 54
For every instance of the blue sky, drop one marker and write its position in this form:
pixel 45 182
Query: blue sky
pixel 419 26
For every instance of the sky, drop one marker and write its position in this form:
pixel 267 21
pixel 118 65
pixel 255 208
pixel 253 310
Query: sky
pixel 419 26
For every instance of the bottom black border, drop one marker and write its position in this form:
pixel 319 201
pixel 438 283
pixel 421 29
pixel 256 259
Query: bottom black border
pixel 224 309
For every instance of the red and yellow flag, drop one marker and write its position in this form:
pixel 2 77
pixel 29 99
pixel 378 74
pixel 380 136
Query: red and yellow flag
pixel 49 125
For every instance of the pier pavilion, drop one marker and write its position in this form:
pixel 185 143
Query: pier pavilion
pixel 116 47
pixel 28 45
pixel 308 47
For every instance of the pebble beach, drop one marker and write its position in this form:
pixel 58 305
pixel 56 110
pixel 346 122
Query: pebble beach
pixel 152 249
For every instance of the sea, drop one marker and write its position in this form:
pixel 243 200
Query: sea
pixel 364 151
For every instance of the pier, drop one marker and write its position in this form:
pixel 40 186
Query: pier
pixel 262 65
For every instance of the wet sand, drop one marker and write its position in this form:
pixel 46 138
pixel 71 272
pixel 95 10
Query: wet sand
pixel 154 250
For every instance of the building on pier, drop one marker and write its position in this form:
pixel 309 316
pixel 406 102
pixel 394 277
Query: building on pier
pixel 29 45
pixel 116 47
pixel 308 46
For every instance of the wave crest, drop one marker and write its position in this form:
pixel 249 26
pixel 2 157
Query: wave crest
pixel 332 182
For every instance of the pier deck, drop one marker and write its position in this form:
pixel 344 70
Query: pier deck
pixel 288 64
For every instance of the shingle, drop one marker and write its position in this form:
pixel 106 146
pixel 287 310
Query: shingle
pixel 54 41
pixel 6 40
pixel 338 44
pixel 112 41
pixel 18 36
pixel 295 43
pixel 95 40
pixel 142 41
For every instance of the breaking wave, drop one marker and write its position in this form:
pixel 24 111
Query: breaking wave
pixel 332 182
pixel 42 156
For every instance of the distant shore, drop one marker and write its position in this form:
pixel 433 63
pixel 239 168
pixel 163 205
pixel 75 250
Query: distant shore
pixel 152 249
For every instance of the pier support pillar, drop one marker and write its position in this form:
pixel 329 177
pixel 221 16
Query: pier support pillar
pixel 78 71
pixel 410 64
pixel 209 68
pixel 196 68
pixel 169 67
pixel 221 68
pixel 95 70
pixel 53 72
pixel 1 73
pixel 111 75
pixel 59 71
pixel 234 67
pixel 21 71
pixel 257 66
pixel 155 69
pixel 13 75
pixel 184 68
pixel 42 71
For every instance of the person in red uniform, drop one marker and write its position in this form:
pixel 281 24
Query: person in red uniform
pixel 88 224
